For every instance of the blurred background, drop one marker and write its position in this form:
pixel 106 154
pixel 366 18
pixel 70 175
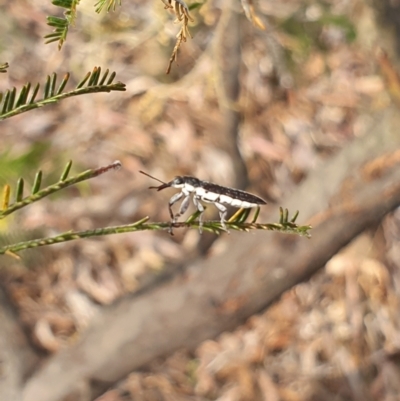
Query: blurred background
pixel 243 107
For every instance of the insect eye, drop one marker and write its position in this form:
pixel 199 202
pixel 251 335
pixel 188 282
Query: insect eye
pixel 178 181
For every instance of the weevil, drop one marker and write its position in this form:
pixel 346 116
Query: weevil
pixel 205 191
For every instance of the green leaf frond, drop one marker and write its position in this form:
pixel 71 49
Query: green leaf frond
pixel 235 223
pixel 3 67
pixel 239 222
pixel 12 103
pixel 107 4
pixel 61 25
pixel 8 206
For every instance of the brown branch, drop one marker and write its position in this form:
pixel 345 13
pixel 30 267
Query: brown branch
pixel 227 58
pixel 220 293
pixel 227 62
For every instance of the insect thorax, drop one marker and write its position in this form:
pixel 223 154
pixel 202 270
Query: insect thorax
pixel 187 182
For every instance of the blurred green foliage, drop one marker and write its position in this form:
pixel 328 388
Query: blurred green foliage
pixel 14 166
pixel 307 33
pixel 39 156
pixel 195 5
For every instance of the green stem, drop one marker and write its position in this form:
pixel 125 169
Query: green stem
pixel 57 186
pixel 118 86
pixel 142 225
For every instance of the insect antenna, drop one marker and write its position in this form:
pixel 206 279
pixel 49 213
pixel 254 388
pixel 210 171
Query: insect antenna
pixel 154 178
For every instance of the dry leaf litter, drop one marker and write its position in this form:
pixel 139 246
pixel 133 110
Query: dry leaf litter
pixel 335 337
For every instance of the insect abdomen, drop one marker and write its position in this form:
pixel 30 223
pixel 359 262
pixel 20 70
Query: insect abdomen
pixel 233 193
pixel 228 196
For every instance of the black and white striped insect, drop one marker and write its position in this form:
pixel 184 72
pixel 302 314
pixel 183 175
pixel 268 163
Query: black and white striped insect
pixel 204 191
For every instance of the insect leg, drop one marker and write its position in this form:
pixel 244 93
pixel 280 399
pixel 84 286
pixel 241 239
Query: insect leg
pixel 173 200
pixel 222 214
pixel 200 208
pixel 183 208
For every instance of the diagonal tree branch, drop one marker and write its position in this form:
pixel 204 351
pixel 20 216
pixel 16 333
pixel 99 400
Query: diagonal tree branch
pixel 220 293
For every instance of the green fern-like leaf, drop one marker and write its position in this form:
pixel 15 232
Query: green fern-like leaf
pixel 12 103
pixel 107 4
pixel 285 226
pixel 60 32
pixel 61 25
pixel 8 207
